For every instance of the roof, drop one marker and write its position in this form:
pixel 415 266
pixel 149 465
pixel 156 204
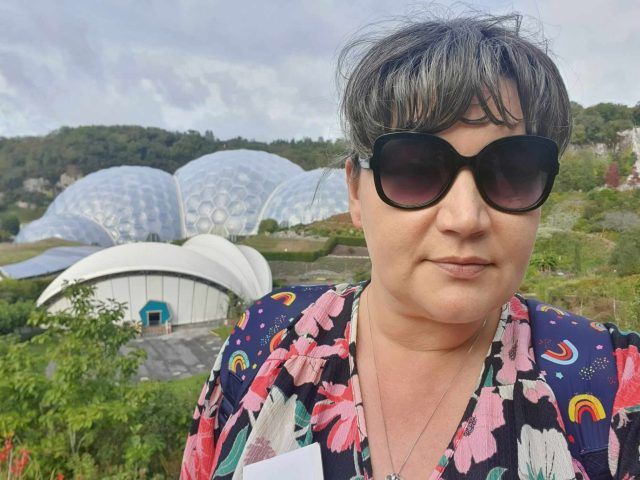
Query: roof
pixel 233 275
pixel 51 261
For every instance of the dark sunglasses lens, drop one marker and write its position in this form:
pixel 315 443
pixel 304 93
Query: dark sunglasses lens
pixel 413 173
pixel 514 174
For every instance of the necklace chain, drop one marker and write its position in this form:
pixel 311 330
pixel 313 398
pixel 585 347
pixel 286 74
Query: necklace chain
pixel 396 476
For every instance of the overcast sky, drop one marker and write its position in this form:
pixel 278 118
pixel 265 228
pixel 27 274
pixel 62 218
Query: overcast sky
pixel 259 69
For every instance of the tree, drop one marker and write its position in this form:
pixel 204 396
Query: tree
pixel 62 392
pixel 10 223
pixel 635 114
pixel 612 177
pixel 268 225
pixel 580 170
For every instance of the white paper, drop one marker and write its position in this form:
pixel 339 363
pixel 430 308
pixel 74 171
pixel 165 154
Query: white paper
pixel 302 464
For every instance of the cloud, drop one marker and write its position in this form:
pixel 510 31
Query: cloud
pixel 256 69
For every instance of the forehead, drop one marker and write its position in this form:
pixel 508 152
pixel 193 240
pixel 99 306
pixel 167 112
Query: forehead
pixel 508 92
pixel 469 139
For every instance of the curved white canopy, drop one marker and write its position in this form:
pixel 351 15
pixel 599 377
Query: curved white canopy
pixel 230 256
pixel 151 257
pixel 260 267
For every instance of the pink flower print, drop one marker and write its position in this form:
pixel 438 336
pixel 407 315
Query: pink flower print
pixel 516 352
pixel 338 405
pixel 305 346
pixel 518 309
pixel 319 314
pixel 259 450
pixel 628 366
pixel 535 390
pixel 304 369
pixel 477 442
pixel 259 388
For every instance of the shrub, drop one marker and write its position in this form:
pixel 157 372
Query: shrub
pixel 14 315
pixel 625 257
pixel 10 223
pixel 268 225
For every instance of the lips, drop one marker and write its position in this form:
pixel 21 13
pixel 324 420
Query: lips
pixel 462 267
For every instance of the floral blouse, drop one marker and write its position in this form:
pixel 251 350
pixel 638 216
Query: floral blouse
pixel 307 391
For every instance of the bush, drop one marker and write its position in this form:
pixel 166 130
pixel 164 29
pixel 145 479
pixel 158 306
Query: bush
pixel 268 225
pixel 13 291
pixel 10 223
pixel 14 315
pixel 61 414
pixel 625 257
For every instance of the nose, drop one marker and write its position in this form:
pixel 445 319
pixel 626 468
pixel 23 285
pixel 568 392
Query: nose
pixel 462 211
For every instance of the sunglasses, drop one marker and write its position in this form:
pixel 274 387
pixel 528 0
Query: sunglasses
pixel 415 170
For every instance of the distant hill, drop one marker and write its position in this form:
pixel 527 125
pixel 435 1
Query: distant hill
pixel 82 150
pixel 49 163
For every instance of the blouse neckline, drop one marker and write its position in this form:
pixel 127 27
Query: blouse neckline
pixel 481 383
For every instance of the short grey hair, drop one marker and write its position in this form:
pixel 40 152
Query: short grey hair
pixel 424 75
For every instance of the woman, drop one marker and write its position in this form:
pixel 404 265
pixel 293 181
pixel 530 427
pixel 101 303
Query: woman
pixel 456 125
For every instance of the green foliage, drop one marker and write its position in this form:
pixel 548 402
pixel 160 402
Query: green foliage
pixel 580 170
pixel 545 261
pixel 14 315
pixel 9 222
pixel 600 209
pixel 625 257
pixel 268 225
pixel 600 123
pixel 90 148
pixel 68 397
pixel 12 291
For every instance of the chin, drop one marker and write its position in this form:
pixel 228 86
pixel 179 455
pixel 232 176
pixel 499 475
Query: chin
pixel 462 306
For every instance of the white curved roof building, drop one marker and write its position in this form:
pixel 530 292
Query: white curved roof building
pixel 224 193
pixel 192 282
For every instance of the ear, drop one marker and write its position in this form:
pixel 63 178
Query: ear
pixel 354 194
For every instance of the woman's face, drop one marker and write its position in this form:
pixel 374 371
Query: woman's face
pixel 414 252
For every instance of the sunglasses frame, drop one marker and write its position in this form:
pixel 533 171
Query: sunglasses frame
pixel 460 161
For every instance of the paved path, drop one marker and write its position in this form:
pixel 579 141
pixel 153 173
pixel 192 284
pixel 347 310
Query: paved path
pixel 183 353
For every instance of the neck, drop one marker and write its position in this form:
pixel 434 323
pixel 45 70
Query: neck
pixel 403 331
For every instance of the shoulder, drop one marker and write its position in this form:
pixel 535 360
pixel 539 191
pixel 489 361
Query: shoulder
pixel 301 310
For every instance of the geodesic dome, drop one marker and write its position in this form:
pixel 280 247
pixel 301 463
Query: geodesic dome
pixel 223 192
pixel 293 202
pixel 130 203
pixel 67 227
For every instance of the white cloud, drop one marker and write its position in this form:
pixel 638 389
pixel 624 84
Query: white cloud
pixel 256 69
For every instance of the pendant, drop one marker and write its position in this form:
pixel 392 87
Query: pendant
pixel 393 476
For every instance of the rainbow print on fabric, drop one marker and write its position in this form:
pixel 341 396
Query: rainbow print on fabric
pixel 583 404
pixel 598 326
pixel 567 355
pixel 238 361
pixel 275 341
pixel 547 308
pixel 287 298
pixel 242 323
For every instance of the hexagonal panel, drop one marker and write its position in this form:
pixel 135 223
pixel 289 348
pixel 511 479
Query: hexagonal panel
pixel 237 183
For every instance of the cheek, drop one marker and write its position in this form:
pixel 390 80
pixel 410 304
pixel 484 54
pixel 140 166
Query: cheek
pixel 392 235
pixel 518 237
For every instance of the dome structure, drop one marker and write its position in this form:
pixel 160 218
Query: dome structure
pixel 130 203
pixel 74 228
pixel 293 202
pixel 223 192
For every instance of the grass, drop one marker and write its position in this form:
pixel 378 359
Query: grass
pixel 14 252
pixel 264 243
